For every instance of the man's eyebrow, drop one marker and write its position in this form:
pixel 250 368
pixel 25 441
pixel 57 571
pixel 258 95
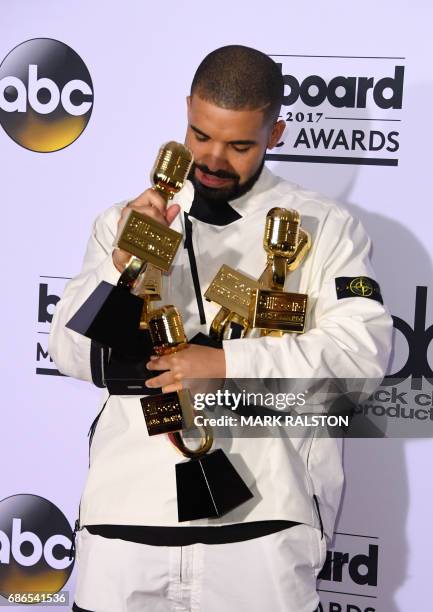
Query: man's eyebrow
pixel 233 142
pixel 195 129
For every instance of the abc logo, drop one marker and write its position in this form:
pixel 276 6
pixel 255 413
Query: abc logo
pixel 35 540
pixel 46 95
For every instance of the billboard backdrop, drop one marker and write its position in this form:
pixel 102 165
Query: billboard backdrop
pixel 87 95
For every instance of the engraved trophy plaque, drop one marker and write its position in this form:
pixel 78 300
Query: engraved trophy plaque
pixel 232 291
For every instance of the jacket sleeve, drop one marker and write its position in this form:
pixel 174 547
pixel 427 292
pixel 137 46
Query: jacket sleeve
pixel 348 337
pixel 70 351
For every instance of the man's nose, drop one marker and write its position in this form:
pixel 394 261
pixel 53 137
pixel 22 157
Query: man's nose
pixel 215 157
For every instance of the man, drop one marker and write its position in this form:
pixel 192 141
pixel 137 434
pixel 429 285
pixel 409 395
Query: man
pixel 266 554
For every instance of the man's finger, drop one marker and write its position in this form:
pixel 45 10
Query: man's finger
pixel 149 210
pixel 172 212
pixel 166 378
pixel 149 198
pixel 154 213
pixel 160 363
pixel 172 388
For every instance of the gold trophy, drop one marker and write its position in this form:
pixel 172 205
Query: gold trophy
pixel 207 484
pixel 114 315
pixel 286 245
pixel 263 304
pixel 167 412
pixel 147 240
pixel 271 309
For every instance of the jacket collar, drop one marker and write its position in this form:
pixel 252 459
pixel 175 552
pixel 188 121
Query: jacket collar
pixel 227 212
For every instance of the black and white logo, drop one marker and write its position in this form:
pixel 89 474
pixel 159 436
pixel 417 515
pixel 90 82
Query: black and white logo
pixel 341 110
pixel 349 578
pixel 49 291
pixel 418 338
pixel 35 541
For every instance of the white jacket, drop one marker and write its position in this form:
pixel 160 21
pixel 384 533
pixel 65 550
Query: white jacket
pixel 131 478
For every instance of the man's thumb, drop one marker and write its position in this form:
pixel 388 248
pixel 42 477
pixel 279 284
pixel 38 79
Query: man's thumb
pixel 172 212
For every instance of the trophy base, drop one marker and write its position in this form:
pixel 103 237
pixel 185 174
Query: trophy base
pixel 208 487
pixel 111 316
pixel 203 340
pixel 128 376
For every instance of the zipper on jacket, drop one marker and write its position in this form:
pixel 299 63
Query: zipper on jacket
pixel 92 429
pixel 188 245
pixel 316 501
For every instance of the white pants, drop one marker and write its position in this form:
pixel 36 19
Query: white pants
pixel 275 572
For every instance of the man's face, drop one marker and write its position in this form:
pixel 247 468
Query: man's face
pixel 228 147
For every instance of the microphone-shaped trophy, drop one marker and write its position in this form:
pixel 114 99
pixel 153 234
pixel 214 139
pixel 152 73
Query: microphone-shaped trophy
pixel 207 485
pixel 263 304
pixel 273 310
pixel 112 314
pixel 167 412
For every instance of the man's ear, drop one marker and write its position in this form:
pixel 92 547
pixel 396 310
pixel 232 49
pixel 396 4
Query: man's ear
pixel 188 106
pixel 276 133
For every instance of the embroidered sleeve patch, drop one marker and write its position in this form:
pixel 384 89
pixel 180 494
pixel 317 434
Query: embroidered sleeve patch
pixel 358 286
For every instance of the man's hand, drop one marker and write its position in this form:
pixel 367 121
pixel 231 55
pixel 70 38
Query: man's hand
pixel 152 204
pixel 191 362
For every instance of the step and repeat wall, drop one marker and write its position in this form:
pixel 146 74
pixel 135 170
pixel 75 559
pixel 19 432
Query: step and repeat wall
pixel 88 93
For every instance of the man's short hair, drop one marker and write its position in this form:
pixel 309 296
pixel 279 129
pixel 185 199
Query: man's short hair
pixel 240 78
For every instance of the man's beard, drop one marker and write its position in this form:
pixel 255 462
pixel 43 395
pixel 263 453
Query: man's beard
pixel 223 194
